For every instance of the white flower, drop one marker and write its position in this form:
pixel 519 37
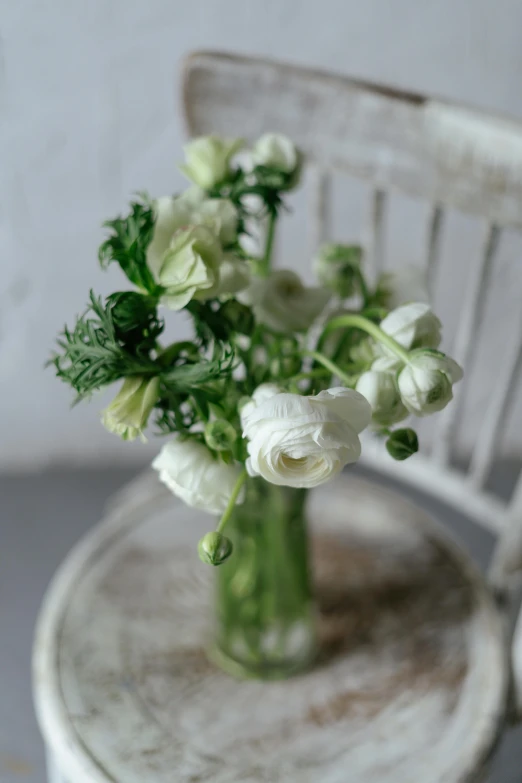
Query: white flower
pixel 219 214
pixel 128 413
pixel 234 275
pixel 337 267
pixel 191 208
pixel 170 214
pixel 262 393
pixel 276 151
pixel 299 441
pixel 208 159
pixel 281 301
pixel 190 471
pixel 381 391
pixel 425 383
pixel 403 285
pixel 413 326
pixel 189 268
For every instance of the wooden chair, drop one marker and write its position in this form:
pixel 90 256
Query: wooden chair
pixel 122 690
pixel 390 139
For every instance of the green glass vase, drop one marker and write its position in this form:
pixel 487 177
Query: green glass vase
pixel 265 613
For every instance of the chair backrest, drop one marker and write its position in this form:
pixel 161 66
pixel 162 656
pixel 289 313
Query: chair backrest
pixel 450 156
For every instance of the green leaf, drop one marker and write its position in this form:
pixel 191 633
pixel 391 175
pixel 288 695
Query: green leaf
pixel 204 371
pixel 98 351
pixel 136 321
pixel 127 244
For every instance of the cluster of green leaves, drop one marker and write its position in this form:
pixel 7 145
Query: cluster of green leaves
pixel 127 244
pixel 98 351
pixel 117 338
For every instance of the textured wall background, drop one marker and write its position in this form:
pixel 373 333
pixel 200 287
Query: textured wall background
pixel 89 113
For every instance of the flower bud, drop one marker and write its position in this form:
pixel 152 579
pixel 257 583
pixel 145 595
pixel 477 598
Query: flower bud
pixel 380 389
pixel 208 160
pixel 413 325
pixel 337 268
pixel 402 444
pixel 425 383
pixel 214 548
pixel 220 435
pixel 238 317
pixel 276 151
pixel 128 413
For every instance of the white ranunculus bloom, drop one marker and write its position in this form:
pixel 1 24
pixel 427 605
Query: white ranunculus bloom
pixel 219 214
pixel 425 382
pixel 281 301
pixel 190 471
pixel 276 151
pixel 189 268
pixel 413 325
pixel 401 286
pixel 300 441
pixel 381 391
pixel 262 393
pixel 234 275
pixel 208 159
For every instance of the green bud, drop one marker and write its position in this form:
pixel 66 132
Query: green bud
pixel 214 548
pixel 402 443
pixel 337 268
pixel 220 435
pixel 238 316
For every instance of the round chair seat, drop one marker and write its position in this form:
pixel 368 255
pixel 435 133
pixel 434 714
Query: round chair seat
pixel 410 684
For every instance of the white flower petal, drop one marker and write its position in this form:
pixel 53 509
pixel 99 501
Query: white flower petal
pixel 188 469
pixel 349 405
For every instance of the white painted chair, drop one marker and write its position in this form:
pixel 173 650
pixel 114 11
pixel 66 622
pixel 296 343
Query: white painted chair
pixel 122 692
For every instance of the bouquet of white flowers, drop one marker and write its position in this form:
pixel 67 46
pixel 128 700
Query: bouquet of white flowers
pixel 279 378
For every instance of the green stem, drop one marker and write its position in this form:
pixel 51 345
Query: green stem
pixel 270 236
pixel 232 501
pixel 359 322
pixel 331 366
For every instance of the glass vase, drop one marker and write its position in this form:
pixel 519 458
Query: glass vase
pixel 265 613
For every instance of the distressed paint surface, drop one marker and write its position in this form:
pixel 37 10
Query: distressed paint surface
pixel 410 683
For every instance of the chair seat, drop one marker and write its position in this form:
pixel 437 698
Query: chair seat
pixel 410 685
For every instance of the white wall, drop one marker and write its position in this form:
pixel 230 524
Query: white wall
pixel 88 101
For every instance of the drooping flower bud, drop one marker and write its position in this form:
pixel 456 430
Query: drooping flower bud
pixel 426 382
pixel 128 413
pixel 381 391
pixel 337 268
pixel 214 548
pixel 413 325
pixel 402 444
